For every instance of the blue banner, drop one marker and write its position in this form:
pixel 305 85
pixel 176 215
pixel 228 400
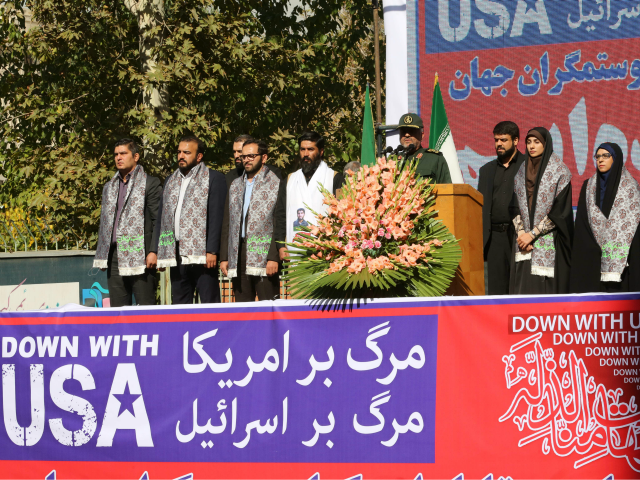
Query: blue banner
pixel 487 24
pixel 296 390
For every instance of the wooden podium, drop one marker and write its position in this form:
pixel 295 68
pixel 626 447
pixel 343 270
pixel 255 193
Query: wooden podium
pixel 459 207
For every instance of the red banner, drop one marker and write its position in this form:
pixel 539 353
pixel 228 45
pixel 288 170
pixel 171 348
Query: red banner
pixel 525 387
pixel 572 67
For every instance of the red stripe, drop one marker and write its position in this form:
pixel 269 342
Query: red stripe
pixel 551 307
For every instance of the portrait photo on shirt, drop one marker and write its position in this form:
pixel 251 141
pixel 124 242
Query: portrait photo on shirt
pixel 300 222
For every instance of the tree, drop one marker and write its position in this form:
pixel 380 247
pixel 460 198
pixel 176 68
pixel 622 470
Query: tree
pixel 93 71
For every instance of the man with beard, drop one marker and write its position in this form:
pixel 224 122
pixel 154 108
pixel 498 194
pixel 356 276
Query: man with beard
pixel 238 171
pixel 303 185
pixel 500 207
pixel 238 168
pixel 189 223
pixel 431 163
pixel 253 230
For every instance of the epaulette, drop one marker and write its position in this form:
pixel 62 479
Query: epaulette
pixel 437 152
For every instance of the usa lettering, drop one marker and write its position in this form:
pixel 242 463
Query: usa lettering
pixel 124 379
pixel 459 12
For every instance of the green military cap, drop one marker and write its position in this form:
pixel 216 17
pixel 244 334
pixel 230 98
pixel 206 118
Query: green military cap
pixel 410 120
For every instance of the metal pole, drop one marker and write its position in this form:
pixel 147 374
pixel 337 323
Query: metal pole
pixel 53 235
pixel 19 233
pixel 74 234
pixel 376 54
pixel 15 244
pixel 26 225
pixel 35 222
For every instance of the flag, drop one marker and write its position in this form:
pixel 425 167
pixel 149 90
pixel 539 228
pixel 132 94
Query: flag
pixel 368 149
pixel 440 137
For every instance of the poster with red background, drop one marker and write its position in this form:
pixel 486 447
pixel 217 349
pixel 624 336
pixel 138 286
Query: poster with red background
pixel 571 66
pixel 529 387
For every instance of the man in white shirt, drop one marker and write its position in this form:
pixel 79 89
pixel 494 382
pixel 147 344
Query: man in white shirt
pixel 303 184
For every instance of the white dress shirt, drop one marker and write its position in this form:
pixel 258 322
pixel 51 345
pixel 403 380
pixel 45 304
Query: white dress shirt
pixel 183 189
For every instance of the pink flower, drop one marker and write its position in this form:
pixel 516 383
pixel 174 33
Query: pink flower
pixel 387 236
pixel 381 232
pixel 341 232
pixel 378 244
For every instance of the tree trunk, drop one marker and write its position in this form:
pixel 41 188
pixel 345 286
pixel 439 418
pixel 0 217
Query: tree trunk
pixel 150 14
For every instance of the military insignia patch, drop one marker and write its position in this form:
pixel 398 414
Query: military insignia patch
pixel 419 156
pixel 433 150
pixel 408 119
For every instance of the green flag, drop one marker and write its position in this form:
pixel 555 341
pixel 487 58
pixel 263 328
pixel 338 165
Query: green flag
pixel 440 137
pixel 368 150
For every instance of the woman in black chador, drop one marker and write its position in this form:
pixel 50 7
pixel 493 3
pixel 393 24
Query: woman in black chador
pixel 605 245
pixel 544 228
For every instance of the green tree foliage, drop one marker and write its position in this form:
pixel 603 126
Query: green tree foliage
pixel 88 73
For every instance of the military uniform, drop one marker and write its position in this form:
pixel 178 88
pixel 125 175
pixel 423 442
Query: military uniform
pixel 430 163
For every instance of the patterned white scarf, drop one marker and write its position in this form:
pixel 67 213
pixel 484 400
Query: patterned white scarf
pixel 615 234
pixel 193 218
pixel 130 234
pixel 259 221
pixel 555 178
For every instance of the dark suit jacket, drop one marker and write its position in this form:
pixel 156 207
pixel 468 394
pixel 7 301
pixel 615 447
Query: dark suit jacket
pixel 152 198
pixel 215 207
pixel 279 225
pixel 485 187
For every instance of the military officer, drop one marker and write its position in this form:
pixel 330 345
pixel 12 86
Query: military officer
pixel 431 163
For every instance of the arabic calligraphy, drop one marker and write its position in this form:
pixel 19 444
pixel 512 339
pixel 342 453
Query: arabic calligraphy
pixel 599 14
pixel 539 77
pixel 589 73
pixel 374 409
pixel 531 81
pixel 564 407
pixel 206 347
pixel 485 82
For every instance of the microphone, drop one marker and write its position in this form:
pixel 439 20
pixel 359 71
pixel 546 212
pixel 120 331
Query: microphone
pixel 388 150
pixel 410 149
pixel 399 149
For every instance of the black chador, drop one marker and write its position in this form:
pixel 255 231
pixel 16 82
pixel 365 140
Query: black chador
pixel 543 190
pixel 606 240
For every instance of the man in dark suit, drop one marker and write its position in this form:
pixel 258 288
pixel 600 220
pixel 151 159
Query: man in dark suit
pixel 189 225
pixel 126 243
pixel 496 183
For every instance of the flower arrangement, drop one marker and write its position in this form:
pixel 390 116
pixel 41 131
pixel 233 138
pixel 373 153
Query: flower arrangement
pixel 379 238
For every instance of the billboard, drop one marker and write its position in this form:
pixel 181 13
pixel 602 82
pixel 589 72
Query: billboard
pixel 529 387
pixel 571 66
